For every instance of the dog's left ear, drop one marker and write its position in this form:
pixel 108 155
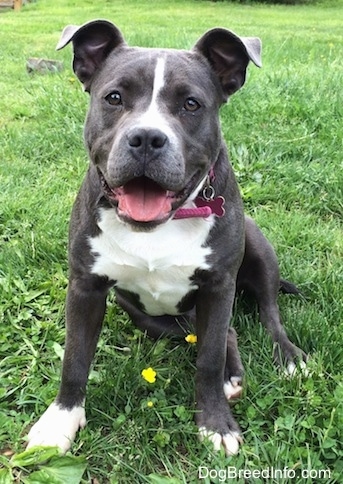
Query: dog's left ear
pixel 229 56
pixel 92 43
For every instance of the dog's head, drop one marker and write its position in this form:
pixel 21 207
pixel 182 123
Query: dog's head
pixel 153 128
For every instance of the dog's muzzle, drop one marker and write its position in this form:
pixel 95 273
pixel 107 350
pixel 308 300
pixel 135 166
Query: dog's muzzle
pixel 142 200
pixel 145 202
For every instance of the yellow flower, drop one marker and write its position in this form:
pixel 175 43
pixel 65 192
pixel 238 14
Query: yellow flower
pixel 191 339
pixel 150 404
pixel 149 375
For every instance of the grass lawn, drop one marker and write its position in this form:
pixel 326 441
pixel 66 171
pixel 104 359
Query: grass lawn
pixel 284 130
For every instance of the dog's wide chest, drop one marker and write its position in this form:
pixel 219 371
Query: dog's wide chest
pixel 156 265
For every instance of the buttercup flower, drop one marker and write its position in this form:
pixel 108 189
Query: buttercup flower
pixel 150 404
pixel 191 338
pixel 149 375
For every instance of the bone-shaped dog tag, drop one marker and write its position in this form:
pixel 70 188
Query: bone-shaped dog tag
pixel 216 205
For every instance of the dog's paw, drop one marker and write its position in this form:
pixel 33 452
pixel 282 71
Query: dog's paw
pixel 57 427
pixel 233 387
pixel 230 441
pixel 295 368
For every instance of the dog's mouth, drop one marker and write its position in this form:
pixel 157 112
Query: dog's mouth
pixel 142 200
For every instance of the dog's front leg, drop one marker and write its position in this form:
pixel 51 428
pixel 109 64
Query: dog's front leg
pixel 86 302
pixel 214 419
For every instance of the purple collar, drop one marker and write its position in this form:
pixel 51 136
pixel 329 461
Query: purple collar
pixel 206 204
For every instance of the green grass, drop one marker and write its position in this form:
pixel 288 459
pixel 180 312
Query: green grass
pixel 285 136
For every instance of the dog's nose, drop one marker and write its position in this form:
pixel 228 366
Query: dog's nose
pixel 146 141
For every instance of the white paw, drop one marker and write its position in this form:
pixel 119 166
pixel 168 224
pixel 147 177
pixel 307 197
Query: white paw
pixel 293 369
pixel 230 441
pixel 57 427
pixel 233 387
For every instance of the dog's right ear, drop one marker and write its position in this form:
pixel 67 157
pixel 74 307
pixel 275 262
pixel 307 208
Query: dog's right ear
pixel 92 42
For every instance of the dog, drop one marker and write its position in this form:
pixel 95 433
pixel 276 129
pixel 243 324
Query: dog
pixel 159 218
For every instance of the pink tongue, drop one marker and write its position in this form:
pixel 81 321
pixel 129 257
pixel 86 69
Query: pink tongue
pixel 144 200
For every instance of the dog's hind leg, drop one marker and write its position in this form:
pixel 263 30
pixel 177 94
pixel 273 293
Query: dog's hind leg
pixel 233 374
pixel 179 326
pixel 155 326
pixel 259 276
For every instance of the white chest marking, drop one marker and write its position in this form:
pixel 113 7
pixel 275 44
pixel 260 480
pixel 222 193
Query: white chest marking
pixel 156 265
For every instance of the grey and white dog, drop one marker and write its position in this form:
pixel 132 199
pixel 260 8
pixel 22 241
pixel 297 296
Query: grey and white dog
pixel 159 218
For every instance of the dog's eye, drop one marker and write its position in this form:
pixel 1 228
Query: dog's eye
pixel 114 98
pixel 191 105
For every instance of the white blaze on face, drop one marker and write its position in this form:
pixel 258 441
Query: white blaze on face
pixel 158 80
pixel 154 117
pixel 144 200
